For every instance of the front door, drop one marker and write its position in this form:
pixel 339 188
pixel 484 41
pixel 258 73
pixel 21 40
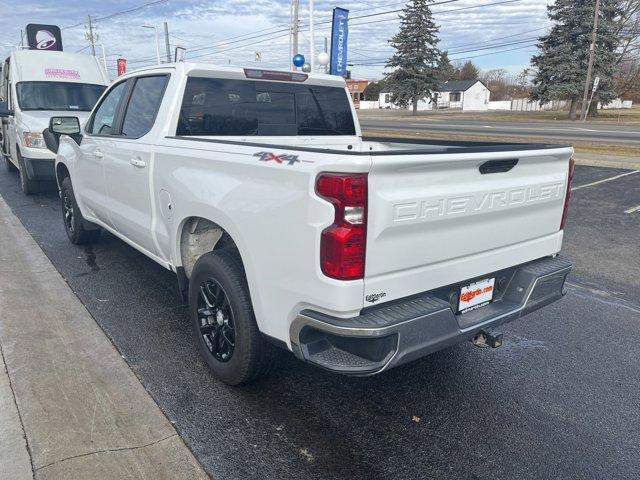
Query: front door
pixel 128 171
pixel 97 147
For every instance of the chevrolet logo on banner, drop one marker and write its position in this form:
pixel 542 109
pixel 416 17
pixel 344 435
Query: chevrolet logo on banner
pixel 339 37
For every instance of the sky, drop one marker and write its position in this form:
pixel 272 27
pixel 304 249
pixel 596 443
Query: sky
pixel 492 33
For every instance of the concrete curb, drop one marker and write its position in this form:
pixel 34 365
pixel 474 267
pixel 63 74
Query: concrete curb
pixel 78 409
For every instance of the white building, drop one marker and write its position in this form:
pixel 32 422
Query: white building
pixel 468 95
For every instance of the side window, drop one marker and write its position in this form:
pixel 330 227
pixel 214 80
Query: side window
pixel 102 123
pixel 143 105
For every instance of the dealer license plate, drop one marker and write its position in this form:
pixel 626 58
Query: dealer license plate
pixel 476 295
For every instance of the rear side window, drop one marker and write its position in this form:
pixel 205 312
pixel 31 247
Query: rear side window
pixel 143 105
pixel 221 107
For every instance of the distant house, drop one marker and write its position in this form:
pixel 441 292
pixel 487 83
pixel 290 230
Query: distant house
pixel 356 89
pixel 468 95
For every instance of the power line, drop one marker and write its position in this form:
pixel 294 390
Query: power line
pixel 381 62
pixel 439 12
pixel 238 38
pixel 227 42
pixel 495 53
pixel 116 14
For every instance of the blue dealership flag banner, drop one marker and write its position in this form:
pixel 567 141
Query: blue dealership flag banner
pixel 339 36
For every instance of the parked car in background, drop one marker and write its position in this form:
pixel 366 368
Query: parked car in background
pixel 286 227
pixel 36 85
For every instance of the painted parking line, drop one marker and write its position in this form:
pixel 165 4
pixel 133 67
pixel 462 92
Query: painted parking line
pixel 605 180
pixel 633 209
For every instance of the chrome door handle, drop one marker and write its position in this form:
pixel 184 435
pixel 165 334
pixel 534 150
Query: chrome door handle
pixel 136 162
pixel 98 154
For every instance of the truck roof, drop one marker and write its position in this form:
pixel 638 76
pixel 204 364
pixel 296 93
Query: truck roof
pixel 208 69
pixel 36 65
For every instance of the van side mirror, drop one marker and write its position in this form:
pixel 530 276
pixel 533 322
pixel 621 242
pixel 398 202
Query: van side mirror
pixel 64 125
pixel 4 110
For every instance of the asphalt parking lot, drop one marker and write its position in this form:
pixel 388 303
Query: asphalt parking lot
pixel 561 399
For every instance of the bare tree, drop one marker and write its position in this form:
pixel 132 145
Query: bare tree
pixel 628 60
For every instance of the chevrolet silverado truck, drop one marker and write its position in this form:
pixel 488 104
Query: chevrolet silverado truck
pixel 287 228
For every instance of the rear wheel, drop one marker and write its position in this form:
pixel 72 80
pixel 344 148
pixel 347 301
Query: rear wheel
pixel 29 186
pixel 74 223
pixel 223 321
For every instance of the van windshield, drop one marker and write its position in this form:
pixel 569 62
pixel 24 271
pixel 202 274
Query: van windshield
pixel 224 107
pixel 58 95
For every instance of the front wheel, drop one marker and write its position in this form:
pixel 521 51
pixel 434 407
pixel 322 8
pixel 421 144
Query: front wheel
pixel 29 186
pixel 74 223
pixel 223 321
pixel 8 165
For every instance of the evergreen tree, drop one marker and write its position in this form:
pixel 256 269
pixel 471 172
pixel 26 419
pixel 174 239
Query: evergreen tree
pixel 446 71
pixel 417 58
pixel 469 71
pixel 561 65
pixel 372 91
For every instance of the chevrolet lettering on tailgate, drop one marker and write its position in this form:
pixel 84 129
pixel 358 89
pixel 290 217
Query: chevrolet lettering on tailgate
pixel 482 202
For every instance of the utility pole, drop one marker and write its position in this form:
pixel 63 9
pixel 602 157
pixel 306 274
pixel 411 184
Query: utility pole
pixel 166 41
pixel 294 27
pixel 312 38
pixel 91 37
pixel 21 38
pixel 592 54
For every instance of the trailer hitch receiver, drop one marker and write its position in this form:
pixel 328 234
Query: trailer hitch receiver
pixel 485 338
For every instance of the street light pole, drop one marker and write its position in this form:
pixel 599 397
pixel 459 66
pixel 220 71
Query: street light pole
pixel 166 41
pixel 311 37
pixel 592 54
pixel 155 27
pixel 104 58
pixel 294 30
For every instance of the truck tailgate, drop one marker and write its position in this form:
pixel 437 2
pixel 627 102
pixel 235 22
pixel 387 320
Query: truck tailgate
pixel 440 219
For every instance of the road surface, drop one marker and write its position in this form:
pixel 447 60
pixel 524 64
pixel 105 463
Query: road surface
pixel 561 398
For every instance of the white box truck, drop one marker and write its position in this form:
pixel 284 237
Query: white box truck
pixel 35 86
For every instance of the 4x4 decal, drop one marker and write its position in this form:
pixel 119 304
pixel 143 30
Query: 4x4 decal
pixel 286 158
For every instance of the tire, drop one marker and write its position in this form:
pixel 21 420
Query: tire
pixel 29 187
pixel 74 223
pixel 8 165
pixel 225 330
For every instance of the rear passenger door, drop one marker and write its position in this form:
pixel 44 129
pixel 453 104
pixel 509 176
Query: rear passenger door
pixel 128 170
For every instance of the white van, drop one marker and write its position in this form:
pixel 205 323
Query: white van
pixel 35 86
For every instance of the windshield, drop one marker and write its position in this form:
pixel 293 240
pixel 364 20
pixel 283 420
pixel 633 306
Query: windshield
pixel 223 107
pixel 58 96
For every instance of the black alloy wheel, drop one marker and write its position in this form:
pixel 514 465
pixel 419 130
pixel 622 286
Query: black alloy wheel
pixel 217 325
pixel 68 211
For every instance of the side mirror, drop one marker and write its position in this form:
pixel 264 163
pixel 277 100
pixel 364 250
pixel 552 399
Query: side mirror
pixel 4 110
pixel 64 125
pixel 61 126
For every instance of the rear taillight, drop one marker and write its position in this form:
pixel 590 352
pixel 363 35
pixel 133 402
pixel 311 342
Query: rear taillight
pixel 565 212
pixel 343 244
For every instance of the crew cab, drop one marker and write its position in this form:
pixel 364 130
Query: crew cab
pixel 286 227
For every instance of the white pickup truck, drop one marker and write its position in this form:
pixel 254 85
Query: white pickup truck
pixel 286 227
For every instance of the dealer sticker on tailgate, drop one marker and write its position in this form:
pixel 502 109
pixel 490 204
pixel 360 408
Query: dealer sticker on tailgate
pixel 476 295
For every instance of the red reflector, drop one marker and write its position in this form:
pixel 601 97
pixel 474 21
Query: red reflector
pixel 343 244
pixel 565 211
pixel 342 252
